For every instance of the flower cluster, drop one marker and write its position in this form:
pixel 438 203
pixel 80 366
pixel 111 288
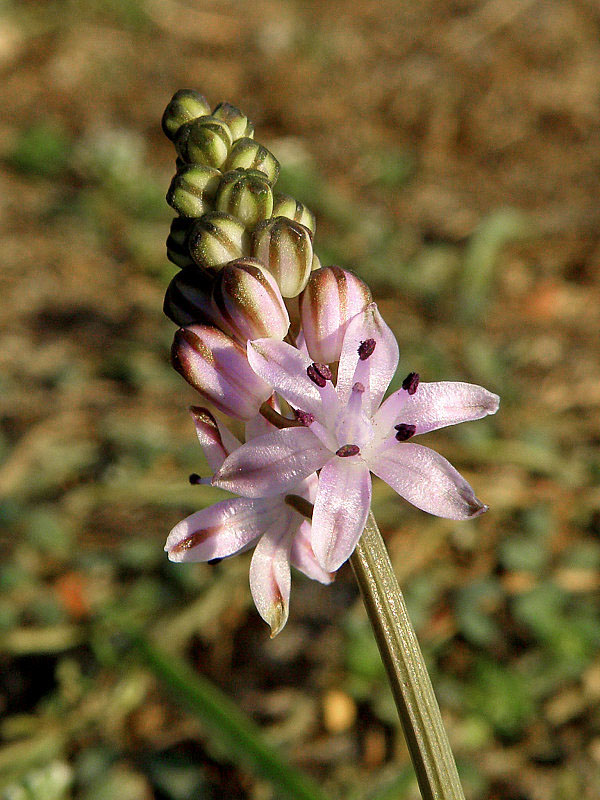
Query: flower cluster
pixel 310 390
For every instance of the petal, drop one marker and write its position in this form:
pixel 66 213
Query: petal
pixel 216 441
pixel 221 530
pixel 286 368
pixel 303 558
pixel 270 579
pixel 341 509
pixel 369 324
pixel 427 480
pixel 435 405
pixel 272 464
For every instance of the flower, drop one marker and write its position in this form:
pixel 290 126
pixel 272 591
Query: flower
pixel 347 433
pixel 281 533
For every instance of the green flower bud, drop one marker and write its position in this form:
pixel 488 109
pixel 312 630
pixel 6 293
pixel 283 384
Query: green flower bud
pixel 249 303
pixel 185 105
pixel 286 206
pixel 207 140
pixel 188 298
pixel 285 248
pixel 216 239
pixel 248 154
pixel 177 245
pixel 193 190
pixel 246 194
pixel 238 122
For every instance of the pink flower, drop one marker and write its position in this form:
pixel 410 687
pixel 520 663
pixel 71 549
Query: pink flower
pixel 347 433
pixel 280 532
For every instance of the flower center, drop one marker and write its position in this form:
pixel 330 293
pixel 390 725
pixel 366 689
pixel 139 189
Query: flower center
pixel 352 426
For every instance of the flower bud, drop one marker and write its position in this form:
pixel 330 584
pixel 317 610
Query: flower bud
pixel 193 189
pixel 331 298
pixel 217 238
pixel 206 140
pixel 184 106
pixel 286 206
pixel 237 121
pixel 249 302
pixel 188 297
pixel 217 367
pixel 177 242
pixel 248 154
pixel 285 248
pixel 245 194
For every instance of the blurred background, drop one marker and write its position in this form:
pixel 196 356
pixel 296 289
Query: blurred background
pixel 451 152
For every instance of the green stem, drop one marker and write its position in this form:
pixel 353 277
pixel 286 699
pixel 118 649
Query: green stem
pixel 225 722
pixel 411 686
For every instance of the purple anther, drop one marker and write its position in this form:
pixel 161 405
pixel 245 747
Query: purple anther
pixel 366 349
pixel 358 387
pixel 348 450
pixel 404 431
pixel 411 382
pixel 305 417
pixel 319 373
pixel 195 479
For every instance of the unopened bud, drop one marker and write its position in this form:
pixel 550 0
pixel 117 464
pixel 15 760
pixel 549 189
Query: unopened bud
pixel 193 189
pixel 248 154
pixel 245 194
pixel 285 248
pixel 286 206
pixel 184 106
pixel 216 238
pixel 238 122
pixel 331 298
pixel 206 140
pixel 217 367
pixel 188 297
pixel 249 302
pixel 177 242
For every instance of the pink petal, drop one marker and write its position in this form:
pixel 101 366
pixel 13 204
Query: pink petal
pixel 435 405
pixel 369 324
pixel 216 441
pixel 222 529
pixel 270 579
pixel 272 464
pixel 341 510
pixel 286 368
pixel 427 480
pixel 303 558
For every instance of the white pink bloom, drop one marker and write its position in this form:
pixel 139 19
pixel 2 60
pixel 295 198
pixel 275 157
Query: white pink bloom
pixel 279 531
pixel 347 432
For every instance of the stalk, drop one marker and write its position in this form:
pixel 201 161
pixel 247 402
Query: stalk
pixel 411 686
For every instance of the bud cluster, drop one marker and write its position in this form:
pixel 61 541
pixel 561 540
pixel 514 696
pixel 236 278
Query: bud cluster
pixel 245 255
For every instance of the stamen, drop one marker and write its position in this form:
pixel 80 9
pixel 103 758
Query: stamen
pixel 319 373
pixel 195 479
pixel 405 431
pixel 348 450
pixel 366 349
pixel 358 387
pixel 411 382
pixel 304 417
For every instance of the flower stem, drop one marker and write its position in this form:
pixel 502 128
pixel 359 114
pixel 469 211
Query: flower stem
pixel 411 686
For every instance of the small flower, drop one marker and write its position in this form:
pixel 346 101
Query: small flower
pixel 349 433
pixel 280 532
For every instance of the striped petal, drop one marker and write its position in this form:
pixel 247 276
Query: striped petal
pixel 272 464
pixel 222 529
pixel 427 480
pixel 270 579
pixel 341 509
